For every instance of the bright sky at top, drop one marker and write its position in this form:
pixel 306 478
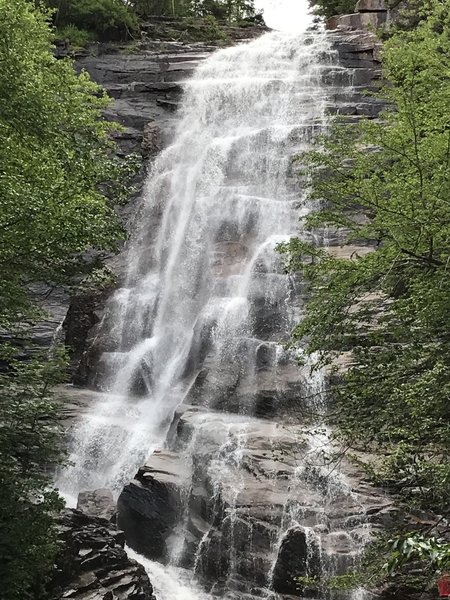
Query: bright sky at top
pixel 285 15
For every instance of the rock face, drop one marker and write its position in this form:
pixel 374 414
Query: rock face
pixel 98 503
pixel 93 564
pixel 54 302
pixel 297 557
pixel 83 313
pixel 239 481
pixel 242 493
pixel 369 14
pixel 146 85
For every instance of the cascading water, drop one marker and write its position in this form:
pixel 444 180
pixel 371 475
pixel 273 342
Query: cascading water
pixel 197 278
pixel 196 329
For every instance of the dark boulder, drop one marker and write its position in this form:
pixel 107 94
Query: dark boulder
pixel 97 503
pixel 92 563
pixel 297 557
pixel 148 507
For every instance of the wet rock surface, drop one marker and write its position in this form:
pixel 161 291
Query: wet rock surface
pixel 92 563
pixel 147 85
pixel 98 503
pixel 297 557
pixel 238 481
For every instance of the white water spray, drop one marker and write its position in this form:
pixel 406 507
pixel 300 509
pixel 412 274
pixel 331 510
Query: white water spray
pixel 226 199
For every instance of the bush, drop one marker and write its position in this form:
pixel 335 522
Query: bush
pixel 212 28
pixel 329 8
pixel 76 37
pixel 108 19
pixel 148 8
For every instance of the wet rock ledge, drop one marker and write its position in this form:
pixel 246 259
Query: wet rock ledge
pixel 93 564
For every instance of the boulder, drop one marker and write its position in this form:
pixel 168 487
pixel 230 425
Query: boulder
pixel 148 507
pixel 151 140
pixel 297 557
pixel 97 503
pixel 371 6
pixel 92 563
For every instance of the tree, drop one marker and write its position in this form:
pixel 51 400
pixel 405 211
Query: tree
pixel 147 8
pixel 386 183
pixel 106 19
pixel 330 8
pixel 57 162
pixel 57 182
pixel 30 444
pixel 232 11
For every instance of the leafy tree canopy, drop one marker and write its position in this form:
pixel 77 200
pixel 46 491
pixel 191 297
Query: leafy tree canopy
pixel 385 185
pixel 29 444
pixel 55 152
pixel 56 179
pixel 108 19
pixel 230 10
pixel 330 8
pixel 81 21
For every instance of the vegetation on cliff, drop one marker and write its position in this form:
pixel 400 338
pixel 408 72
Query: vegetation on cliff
pixel 386 184
pixel 82 21
pixel 329 8
pixel 57 173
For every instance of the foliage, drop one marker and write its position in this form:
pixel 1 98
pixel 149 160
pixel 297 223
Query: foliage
pixel 231 11
pixel 147 8
pixel 212 31
pixel 57 184
pixel 77 38
pixel 81 21
pixel 107 19
pixel 329 8
pixel 435 554
pixel 224 10
pixel 56 157
pixel 386 186
pixel 204 29
pixel 29 444
pixel 98 279
pixel 327 583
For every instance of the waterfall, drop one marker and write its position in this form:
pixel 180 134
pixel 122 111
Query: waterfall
pixel 196 384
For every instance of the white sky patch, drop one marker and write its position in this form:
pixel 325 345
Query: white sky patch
pixel 285 15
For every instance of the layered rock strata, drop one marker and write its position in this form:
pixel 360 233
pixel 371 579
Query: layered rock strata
pixel 145 83
pixel 92 563
pixel 218 496
pixel 369 14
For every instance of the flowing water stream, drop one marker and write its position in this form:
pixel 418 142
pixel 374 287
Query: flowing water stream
pixel 199 323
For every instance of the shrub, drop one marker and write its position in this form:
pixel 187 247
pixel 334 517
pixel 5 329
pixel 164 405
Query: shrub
pixel 329 8
pixel 108 19
pixel 76 37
